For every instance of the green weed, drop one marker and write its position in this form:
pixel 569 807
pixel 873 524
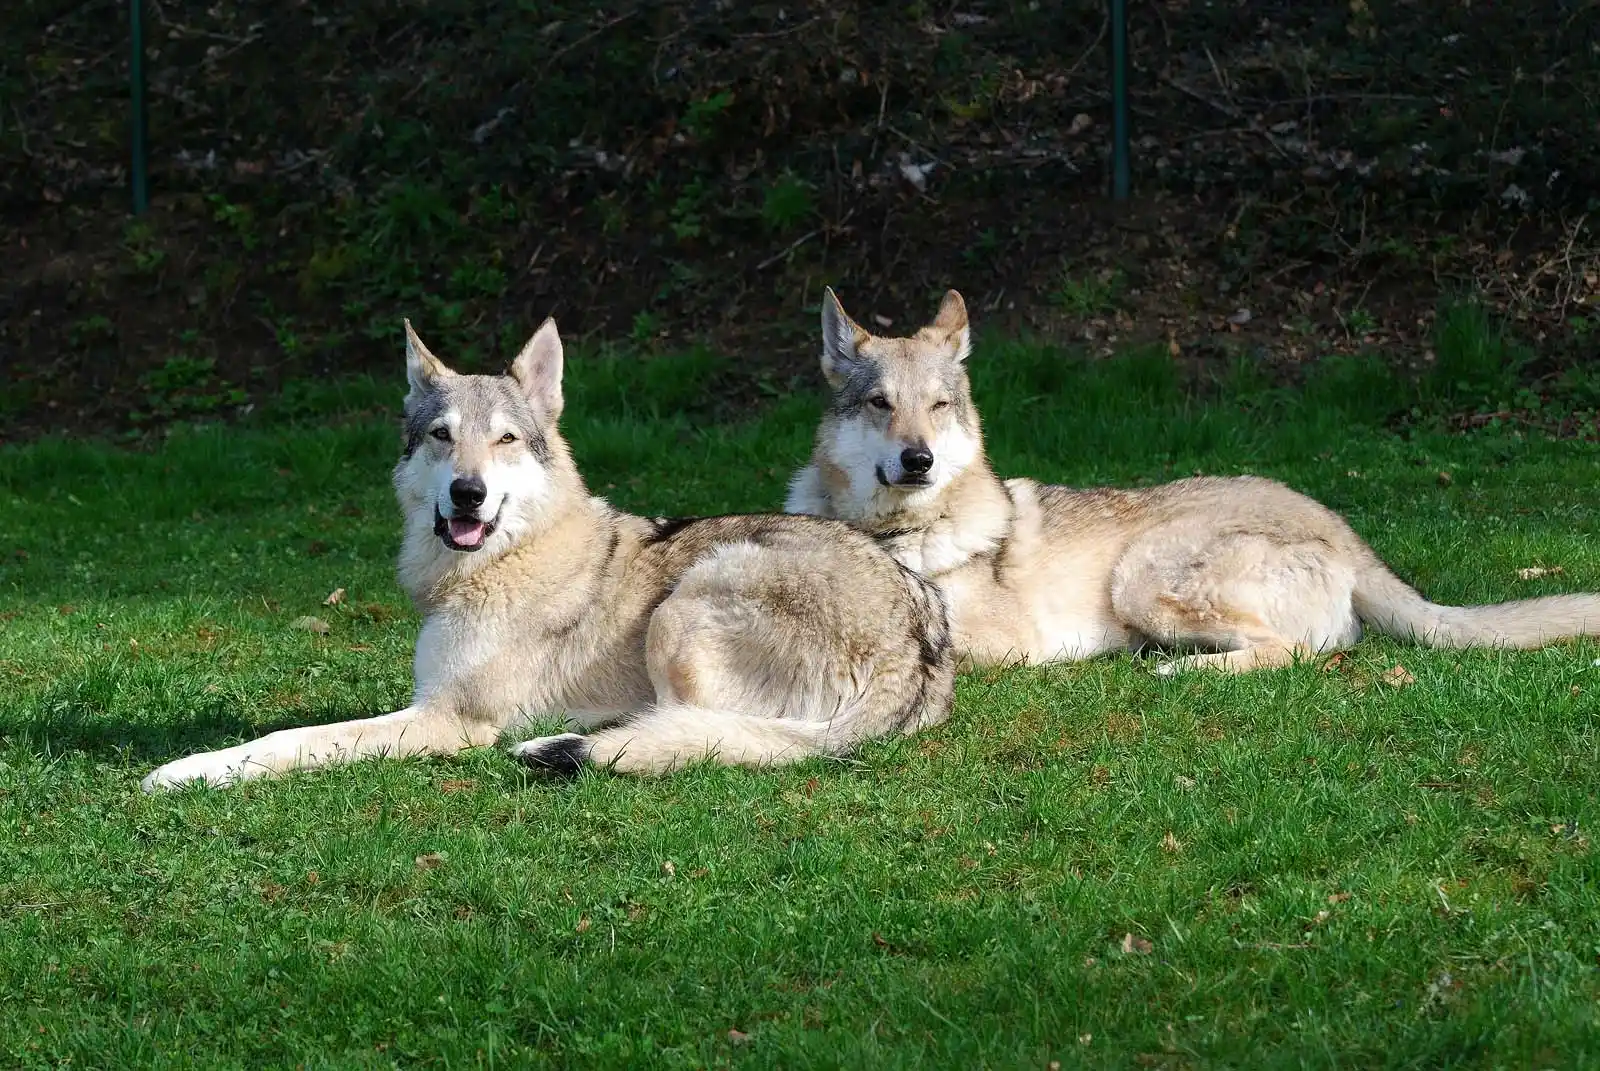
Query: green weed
pixel 788 203
pixel 1085 296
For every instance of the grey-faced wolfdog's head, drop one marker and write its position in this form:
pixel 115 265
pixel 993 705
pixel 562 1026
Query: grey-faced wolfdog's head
pixel 901 421
pixel 483 461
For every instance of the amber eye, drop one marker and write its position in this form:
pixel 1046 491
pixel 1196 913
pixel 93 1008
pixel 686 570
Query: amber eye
pixel 442 434
pixel 880 402
pixel 508 438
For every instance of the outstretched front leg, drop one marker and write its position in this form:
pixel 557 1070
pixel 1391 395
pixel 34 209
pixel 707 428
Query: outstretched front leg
pixel 412 731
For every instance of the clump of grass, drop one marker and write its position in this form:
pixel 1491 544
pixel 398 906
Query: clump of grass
pixel 1087 295
pixel 1476 359
pixel 787 203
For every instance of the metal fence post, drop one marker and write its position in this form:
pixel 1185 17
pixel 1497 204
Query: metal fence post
pixel 138 164
pixel 1118 15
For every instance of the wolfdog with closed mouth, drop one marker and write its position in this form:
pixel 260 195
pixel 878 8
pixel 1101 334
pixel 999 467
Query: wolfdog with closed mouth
pixel 1245 571
pixel 749 639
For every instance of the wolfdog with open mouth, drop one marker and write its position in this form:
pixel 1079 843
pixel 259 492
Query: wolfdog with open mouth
pixel 749 639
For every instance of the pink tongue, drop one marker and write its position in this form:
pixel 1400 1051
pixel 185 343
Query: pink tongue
pixel 465 533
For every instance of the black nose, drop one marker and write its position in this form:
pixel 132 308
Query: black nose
pixel 916 460
pixel 468 492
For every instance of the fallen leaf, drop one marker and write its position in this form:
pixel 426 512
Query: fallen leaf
pixel 1440 990
pixel 311 624
pixel 1334 662
pixel 360 648
pixel 812 784
pixel 1338 897
pixel 312 877
pixel 457 786
pixel 882 321
pixel 1169 843
pixel 1398 676
pixel 1534 572
pixel 668 868
pixel 1132 944
pixel 738 1037
pixel 583 924
pixel 1322 916
pixel 1184 785
pixel 1445 479
pixel 430 860
pixel 335 597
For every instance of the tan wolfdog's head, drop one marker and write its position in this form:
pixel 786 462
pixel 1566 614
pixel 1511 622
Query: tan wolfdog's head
pixel 901 420
pixel 483 462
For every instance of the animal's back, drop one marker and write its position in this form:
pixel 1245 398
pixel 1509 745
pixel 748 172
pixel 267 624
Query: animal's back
pixel 1224 504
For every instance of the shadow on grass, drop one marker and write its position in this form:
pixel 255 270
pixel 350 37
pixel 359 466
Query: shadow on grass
pixel 68 732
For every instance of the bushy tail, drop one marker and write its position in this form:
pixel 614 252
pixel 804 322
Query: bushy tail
pixel 1385 602
pixel 671 735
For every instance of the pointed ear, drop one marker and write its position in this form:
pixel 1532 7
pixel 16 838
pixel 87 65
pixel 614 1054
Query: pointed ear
pixel 841 337
pixel 537 369
pixel 423 369
pixel 952 324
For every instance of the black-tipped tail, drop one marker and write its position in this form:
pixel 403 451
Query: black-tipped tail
pixel 555 756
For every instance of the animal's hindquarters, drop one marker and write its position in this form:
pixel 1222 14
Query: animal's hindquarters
pixel 761 657
pixel 1183 585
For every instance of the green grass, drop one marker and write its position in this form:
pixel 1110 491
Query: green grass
pixel 1356 874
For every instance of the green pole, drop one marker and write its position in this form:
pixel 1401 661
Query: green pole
pixel 139 162
pixel 1119 99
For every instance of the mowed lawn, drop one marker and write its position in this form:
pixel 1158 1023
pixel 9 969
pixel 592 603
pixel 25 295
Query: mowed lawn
pixel 1344 864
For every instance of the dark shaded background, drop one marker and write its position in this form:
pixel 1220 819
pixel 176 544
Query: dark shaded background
pixel 1311 177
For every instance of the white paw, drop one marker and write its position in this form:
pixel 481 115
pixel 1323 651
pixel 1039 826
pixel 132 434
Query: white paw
pixel 1169 669
pixel 212 769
